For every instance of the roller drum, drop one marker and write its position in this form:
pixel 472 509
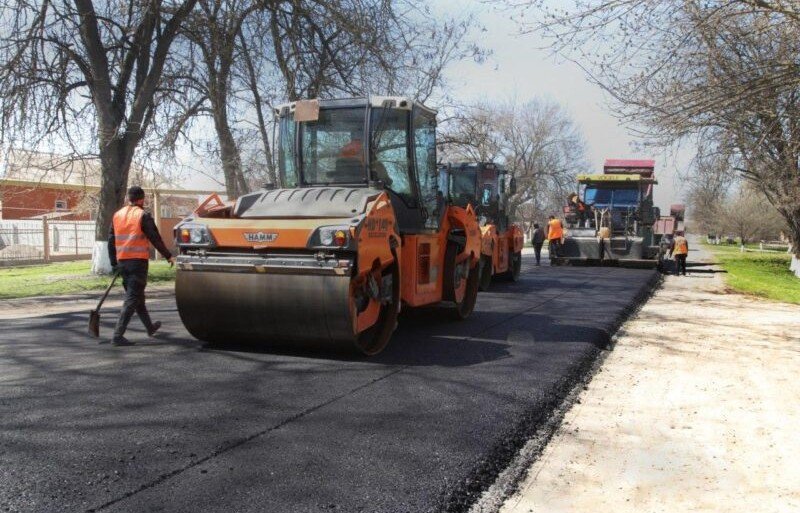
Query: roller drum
pixel 274 309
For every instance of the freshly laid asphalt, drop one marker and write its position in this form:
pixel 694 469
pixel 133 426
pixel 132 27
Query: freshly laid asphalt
pixel 167 425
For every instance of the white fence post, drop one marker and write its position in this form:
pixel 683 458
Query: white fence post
pixel 46 240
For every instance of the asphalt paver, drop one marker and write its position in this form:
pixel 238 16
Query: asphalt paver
pixel 171 425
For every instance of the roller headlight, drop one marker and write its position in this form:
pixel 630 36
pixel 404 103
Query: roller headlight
pixel 326 236
pixel 331 237
pixel 193 235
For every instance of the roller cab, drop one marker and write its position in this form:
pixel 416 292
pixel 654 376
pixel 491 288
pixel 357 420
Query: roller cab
pixel 357 229
pixel 486 186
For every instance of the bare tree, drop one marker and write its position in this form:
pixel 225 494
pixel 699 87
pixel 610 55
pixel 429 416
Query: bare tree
pixel 537 141
pixel 253 63
pixel 250 54
pixel 710 182
pixel 747 215
pixel 215 29
pixel 66 65
pixel 472 134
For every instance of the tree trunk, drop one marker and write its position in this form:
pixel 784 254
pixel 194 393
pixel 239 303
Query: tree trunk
pixel 794 238
pixel 235 185
pixel 115 163
pixel 230 156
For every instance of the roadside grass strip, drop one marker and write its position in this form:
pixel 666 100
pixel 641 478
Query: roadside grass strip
pixel 764 275
pixel 65 278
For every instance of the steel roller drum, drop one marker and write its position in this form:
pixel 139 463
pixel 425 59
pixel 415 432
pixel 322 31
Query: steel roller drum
pixel 275 309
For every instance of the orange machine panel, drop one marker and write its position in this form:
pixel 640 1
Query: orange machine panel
pixel 421 277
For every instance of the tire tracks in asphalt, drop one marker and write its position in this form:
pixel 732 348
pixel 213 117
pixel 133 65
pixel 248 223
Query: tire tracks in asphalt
pixel 241 441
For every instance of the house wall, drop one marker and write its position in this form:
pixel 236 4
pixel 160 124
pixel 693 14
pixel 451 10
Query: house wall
pixel 20 202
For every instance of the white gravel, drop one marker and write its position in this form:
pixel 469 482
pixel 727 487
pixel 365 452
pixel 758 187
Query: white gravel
pixel 696 409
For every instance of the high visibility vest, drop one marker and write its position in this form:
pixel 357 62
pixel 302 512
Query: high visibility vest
pixel 129 239
pixel 681 246
pixel 555 231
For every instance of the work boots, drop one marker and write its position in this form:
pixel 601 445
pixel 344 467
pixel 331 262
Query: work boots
pixel 121 342
pixel 154 328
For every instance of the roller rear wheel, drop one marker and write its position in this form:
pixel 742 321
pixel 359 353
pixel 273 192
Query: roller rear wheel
pixel 467 305
pixel 485 279
pixel 374 339
pixel 460 283
pixel 515 266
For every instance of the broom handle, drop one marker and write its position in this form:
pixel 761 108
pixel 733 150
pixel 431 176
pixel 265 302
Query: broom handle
pixel 108 289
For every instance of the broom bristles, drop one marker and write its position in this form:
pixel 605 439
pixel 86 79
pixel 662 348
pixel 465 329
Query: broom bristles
pixel 94 323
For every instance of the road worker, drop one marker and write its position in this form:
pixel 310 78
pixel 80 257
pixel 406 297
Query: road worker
pixel 537 239
pixel 555 232
pixel 578 206
pixel 129 252
pixel 679 250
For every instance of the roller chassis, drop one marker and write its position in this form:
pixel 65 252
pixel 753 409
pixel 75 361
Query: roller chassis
pixel 295 286
pixel 501 253
pixel 483 185
pixel 330 266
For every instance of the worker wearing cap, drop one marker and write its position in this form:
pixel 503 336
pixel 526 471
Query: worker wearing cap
pixel 129 251
pixel 679 250
pixel 555 232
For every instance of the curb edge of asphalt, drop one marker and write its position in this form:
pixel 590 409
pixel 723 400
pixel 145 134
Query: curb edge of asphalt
pixel 536 429
pixel 156 291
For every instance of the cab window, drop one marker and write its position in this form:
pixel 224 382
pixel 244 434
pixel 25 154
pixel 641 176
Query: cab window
pixel 286 165
pixel 332 147
pixel 389 155
pixel 425 158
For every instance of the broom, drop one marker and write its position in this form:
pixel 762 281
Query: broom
pixel 94 315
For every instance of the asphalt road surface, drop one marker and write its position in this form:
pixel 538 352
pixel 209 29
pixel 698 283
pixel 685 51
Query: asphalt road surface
pixel 169 426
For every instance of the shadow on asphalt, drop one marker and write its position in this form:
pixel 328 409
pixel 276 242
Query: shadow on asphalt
pixel 428 336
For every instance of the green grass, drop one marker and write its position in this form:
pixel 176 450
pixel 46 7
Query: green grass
pixel 760 274
pixel 65 278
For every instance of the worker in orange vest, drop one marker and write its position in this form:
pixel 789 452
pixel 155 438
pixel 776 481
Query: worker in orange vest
pixel 679 250
pixel 129 252
pixel 578 206
pixel 555 232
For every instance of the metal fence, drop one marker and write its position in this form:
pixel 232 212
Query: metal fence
pixel 25 242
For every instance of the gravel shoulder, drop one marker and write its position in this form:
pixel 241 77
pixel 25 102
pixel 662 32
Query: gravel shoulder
pixel 695 409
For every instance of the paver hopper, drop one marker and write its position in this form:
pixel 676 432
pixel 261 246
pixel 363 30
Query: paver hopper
pixel 357 228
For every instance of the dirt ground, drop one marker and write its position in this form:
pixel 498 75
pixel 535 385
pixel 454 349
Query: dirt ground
pixel 696 409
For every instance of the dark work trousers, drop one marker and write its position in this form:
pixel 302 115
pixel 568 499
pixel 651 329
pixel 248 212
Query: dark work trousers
pixel 134 280
pixel 680 264
pixel 555 249
pixel 537 248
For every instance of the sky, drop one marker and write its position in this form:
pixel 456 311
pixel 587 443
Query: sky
pixel 519 69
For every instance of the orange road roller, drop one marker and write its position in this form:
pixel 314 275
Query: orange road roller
pixel 357 229
pixel 487 186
